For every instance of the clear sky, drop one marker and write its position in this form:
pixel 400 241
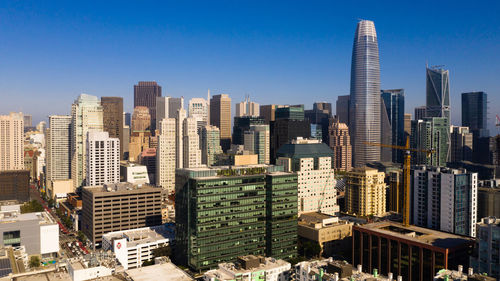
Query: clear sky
pixel 283 52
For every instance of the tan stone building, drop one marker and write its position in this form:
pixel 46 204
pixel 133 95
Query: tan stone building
pixel 331 233
pixel 365 192
pixel 220 116
pixel 11 142
pixel 340 143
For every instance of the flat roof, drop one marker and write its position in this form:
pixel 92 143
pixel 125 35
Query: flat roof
pixel 143 235
pixel 167 271
pixel 118 187
pixel 417 234
pixel 14 216
pixel 224 268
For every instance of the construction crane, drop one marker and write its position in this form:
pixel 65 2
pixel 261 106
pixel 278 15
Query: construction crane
pixel 406 173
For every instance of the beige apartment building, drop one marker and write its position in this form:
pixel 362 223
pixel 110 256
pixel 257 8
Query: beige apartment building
pixel 365 192
pixel 119 206
pixel 11 142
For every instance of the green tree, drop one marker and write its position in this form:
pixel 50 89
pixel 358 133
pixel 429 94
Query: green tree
pixel 34 261
pixel 31 206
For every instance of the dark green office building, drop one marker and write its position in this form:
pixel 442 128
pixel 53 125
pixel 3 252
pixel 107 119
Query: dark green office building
pixel 226 212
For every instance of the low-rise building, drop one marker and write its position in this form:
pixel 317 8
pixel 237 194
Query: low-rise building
pixel 413 252
pixel 135 246
pixel 38 232
pixel 334 270
pixel 331 233
pixel 91 266
pixel 460 275
pixel 14 185
pixel 161 270
pixel 251 268
pixel 57 188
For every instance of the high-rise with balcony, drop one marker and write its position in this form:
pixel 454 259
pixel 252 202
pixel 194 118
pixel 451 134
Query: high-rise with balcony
pixel 210 145
pixel 365 192
pixel 12 142
pixel 145 94
pixel 364 120
pixel 437 93
pixel 486 258
pixel 165 155
pixel 86 116
pixel 113 119
pixel 103 159
pixel 432 133
pixel 59 148
pixel 461 144
pixel 220 116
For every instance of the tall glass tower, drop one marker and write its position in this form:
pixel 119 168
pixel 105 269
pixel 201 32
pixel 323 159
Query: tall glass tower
pixel 364 120
pixel 475 112
pixel 394 105
pixel 437 93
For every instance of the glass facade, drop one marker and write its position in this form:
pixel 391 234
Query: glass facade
pixel 437 93
pixel 364 120
pixel 394 101
pixel 432 133
pixel 232 214
pixel 475 112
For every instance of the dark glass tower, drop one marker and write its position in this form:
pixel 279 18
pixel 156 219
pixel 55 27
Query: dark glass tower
pixel 364 120
pixel 437 93
pixel 394 102
pixel 475 112
pixel 145 94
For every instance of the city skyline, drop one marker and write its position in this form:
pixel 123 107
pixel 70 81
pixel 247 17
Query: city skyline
pixel 300 60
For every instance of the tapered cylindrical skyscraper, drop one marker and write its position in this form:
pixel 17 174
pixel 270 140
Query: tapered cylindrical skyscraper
pixel 364 120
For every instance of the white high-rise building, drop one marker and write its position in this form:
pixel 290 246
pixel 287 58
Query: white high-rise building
pixel 12 141
pixel 312 161
pixel 198 109
pixel 191 145
pixel 445 199
pixel 59 148
pixel 179 138
pixel 165 155
pixel 256 140
pixel 103 159
pixel 167 107
pixel 247 108
pixel 86 114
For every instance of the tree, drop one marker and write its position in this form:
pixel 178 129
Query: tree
pixel 31 206
pixel 34 261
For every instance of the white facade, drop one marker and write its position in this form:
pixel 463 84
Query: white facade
pixel 198 109
pixel 81 272
pixel 136 174
pixel 270 270
pixel 179 141
pixel 59 148
pixel 445 199
pixel 103 159
pixel 12 142
pixel 86 114
pixel 247 108
pixel 167 107
pixel 135 246
pixel 49 238
pixel 165 155
pixel 191 145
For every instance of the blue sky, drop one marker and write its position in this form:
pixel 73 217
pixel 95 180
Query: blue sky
pixel 276 51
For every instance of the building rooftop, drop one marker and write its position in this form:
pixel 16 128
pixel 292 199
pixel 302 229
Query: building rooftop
pixel 15 216
pixel 317 220
pixel 245 264
pixel 216 172
pixel 116 187
pixel 143 235
pixel 165 271
pixel 323 268
pixel 305 149
pixel 417 234
pixel 489 221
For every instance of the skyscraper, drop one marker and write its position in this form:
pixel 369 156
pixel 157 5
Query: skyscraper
pixel 364 120
pixel 419 112
pixel 342 109
pixel 103 159
pixel 247 108
pixel 340 143
pixel 241 125
pixel 165 155
pixel 394 101
pixel 475 112
pixel 59 148
pixel 445 199
pixel 461 144
pixel 210 145
pixel 11 142
pixel 268 112
pixel 432 133
pixel 198 109
pixel 437 93
pixel 167 107
pixel 113 119
pixel 145 94
pixel 220 116
pixel 407 117
pixel 141 119
pixel 256 140
pixel 365 192
pixel 28 120
pixel 289 125
pixel 191 144
pixel 86 116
